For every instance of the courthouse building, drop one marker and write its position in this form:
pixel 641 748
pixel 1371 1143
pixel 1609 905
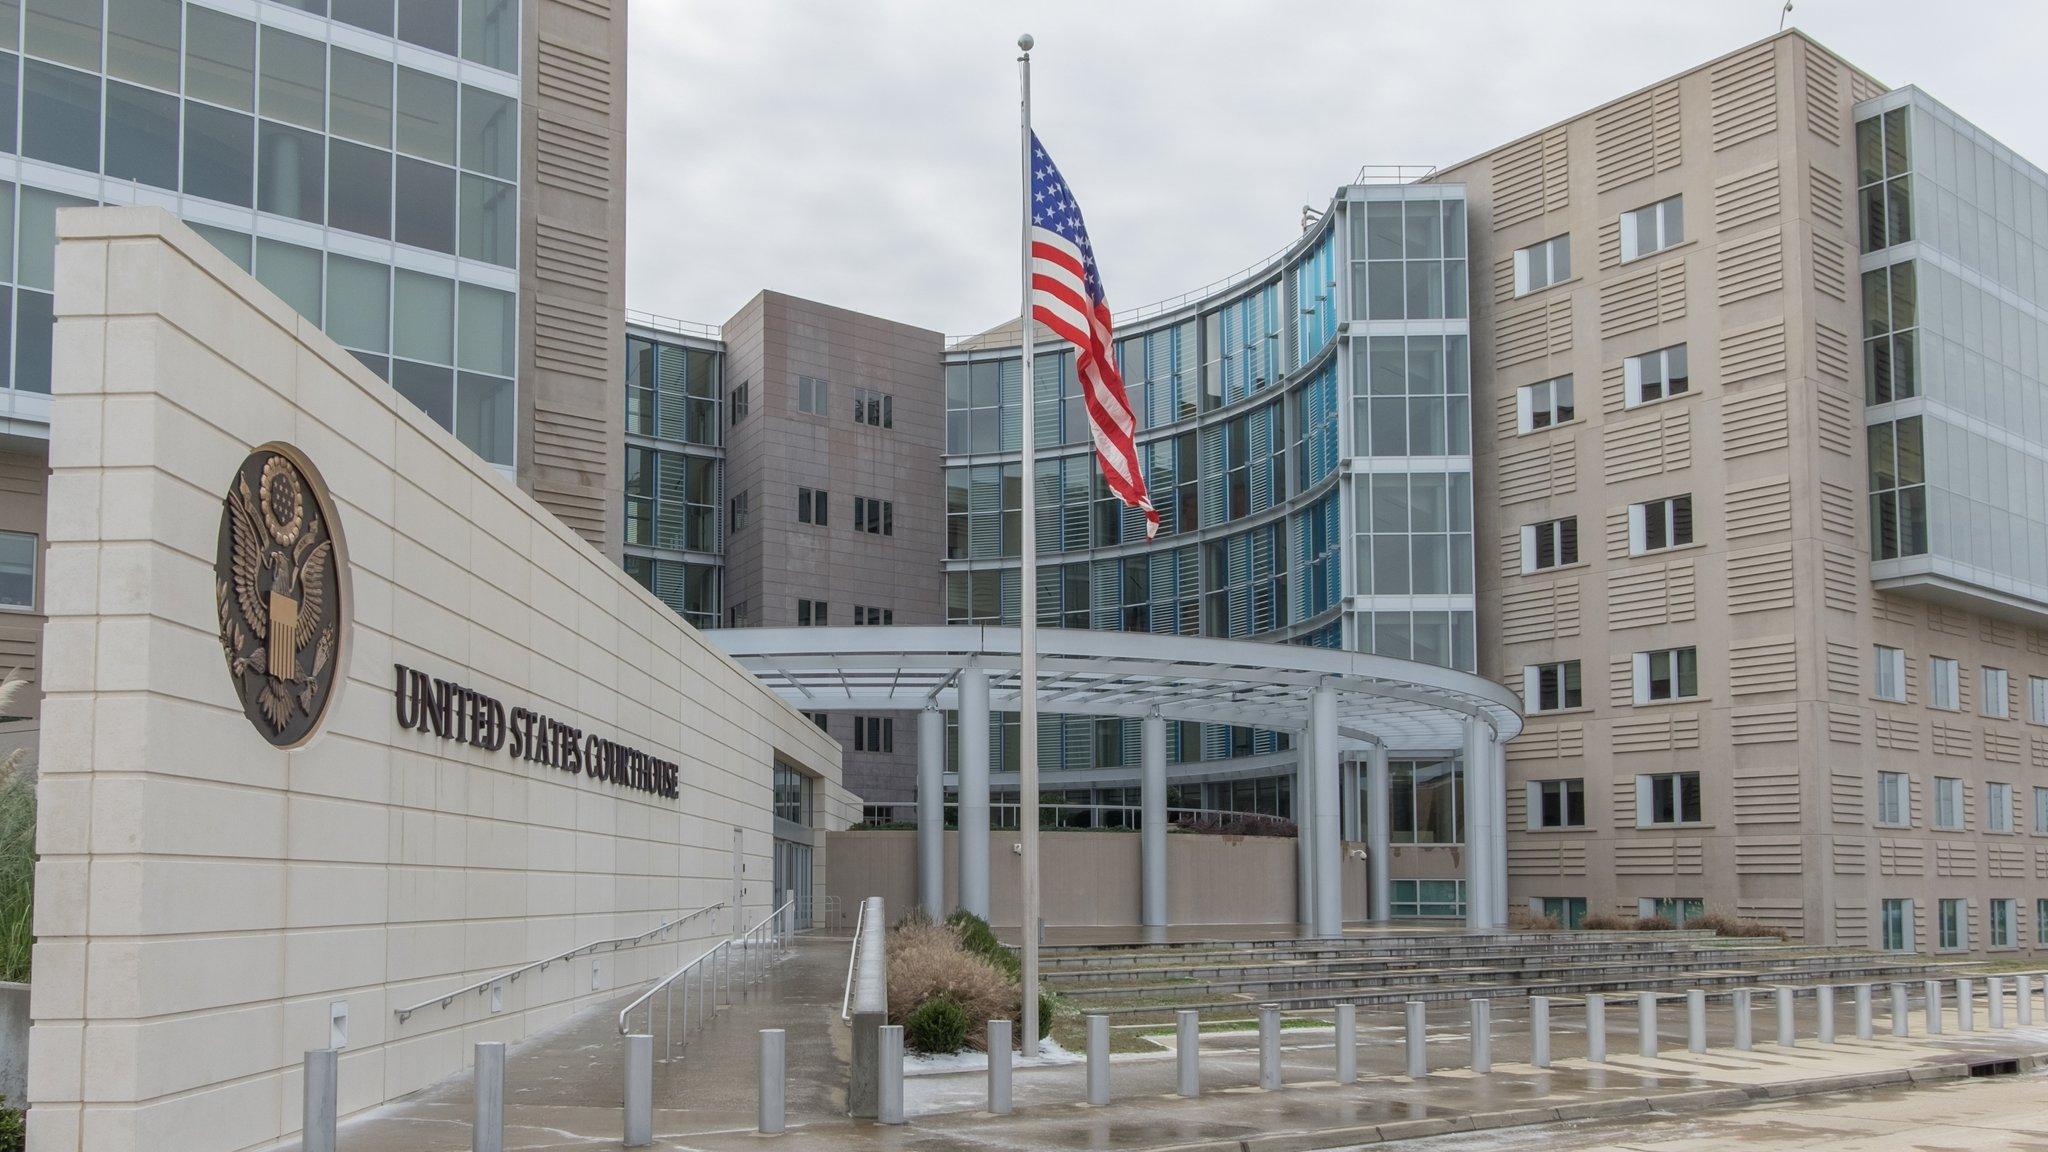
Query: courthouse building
pixel 1641 415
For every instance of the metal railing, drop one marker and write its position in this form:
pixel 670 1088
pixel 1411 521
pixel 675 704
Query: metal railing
pixel 511 975
pixel 671 324
pixel 742 952
pixel 852 957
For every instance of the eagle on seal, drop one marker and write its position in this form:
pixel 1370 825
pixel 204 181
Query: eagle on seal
pixel 279 569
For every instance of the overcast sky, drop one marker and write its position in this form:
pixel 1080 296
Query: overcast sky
pixel 864 152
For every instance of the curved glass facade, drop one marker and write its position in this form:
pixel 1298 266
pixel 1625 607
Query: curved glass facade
pixel 1306 437
pixel 1322 398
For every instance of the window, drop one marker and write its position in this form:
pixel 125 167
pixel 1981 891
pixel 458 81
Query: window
pixel 792 794
pixel 1668 798
pixel 2041 920
pixel 1551 687
pixel 821 719
pixel 873 617
pixel 1954 925
pixel 875 517
pixel 1890 673
pixel 812 614
pixel 1557 803
pixel 1897 919
pixel 1425 802
pixel 1668 674
pixel 811 396
pixel 1551 544
pixel 1543 404
pixel 2041 811
pixel 1992 686
pixel 1654 376
pixel 2002 912
pixel 1894 799
pixel 1898 489
pixel 737 402
pixel 874 409
pixel 874 734
pixel 1678 910
pixel 736 513
pixel 810 506
pixel 1568 911
pixel 737 615
pixel 1998 807
pixel 1948 803
pixel 17 570
pixel 1942 683
pixel 1655 525
pixel 1415 899
pixel 2037 699
pixel 1652 228
pixel 1541 265
pixel 1883 165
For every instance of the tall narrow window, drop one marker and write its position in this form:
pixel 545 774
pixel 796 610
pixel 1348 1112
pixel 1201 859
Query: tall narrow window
pixel 1954 922
pixel 1992 688
pixel 1894 799
pixel 1998 807
pixel 1889 673
pixel 1948 803
pixel 1898 925
pixel 1942 684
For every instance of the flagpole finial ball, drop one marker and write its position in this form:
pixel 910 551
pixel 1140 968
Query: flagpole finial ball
pixel 1025 42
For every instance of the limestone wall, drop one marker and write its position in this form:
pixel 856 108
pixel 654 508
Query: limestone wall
pixel 204 899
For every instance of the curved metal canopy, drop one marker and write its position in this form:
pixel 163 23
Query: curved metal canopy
pixel 1407 706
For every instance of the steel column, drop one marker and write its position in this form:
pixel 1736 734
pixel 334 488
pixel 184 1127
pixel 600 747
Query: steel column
pixel 973 798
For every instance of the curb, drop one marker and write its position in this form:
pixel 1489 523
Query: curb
pixel 1672 1103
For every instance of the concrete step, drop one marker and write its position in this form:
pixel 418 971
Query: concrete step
pixel 1416 957
pixel 1255 974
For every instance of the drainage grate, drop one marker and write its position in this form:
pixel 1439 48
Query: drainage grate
pixel 1995 1068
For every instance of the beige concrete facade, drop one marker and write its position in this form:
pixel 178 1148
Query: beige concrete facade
pixel 1774 591
pixel 205 900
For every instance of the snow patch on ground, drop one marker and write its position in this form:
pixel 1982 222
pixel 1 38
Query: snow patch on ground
pixel 1049 1054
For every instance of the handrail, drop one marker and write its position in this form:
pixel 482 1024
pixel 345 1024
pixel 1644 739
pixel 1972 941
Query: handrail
pixel 749 937
pixel 852 955
pixel 512 974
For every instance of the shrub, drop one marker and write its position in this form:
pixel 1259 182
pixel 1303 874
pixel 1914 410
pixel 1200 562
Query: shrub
pixel 1652 924
pixel 927 961
pixel 13 1129
pixel 1733 926
pixel 1602 922
pixel 1046 1007
pixel 980 940
pixel 937 1026
pixel 1523 920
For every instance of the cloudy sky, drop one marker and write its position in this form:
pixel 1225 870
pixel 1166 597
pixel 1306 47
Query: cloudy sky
pixel 864 152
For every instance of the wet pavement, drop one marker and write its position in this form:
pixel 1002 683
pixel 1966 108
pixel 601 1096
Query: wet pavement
pixel 563 1088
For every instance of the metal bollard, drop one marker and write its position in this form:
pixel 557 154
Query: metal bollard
pixel 1418 1040
pixel 639 1090
pixel 1863 1011
pixel 1994 990
pixel 1482 1036
pixel 1188 1051
pixel 1787 1037
pixel 1646 1025
pixel 1744 1041
pixel 1696 1020
pixel 322 1096
pixel 1269 1046
pixel 2023 990
pixel 1098 1058
pixel 774 1089
pixel 1824 1005
pixel 999 1067
pixel 1933 991
pixel 487 1115
pixel 1539 1031
pixel 1902 1023
pixel 1596 1029
pixel 1347 1043
pixel 1966 1004
pixel 889 1092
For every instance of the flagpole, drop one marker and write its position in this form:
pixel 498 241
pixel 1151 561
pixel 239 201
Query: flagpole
pixel 1027 617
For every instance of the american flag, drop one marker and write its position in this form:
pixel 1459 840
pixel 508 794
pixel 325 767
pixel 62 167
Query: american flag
pixel 1066 294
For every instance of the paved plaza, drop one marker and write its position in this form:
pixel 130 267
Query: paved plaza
pixel 562 1089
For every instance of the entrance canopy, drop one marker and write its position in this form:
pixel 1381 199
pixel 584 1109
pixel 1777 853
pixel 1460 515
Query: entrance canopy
pixel 1406 706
